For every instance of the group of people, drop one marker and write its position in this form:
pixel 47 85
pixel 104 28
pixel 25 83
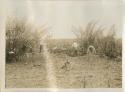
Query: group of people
pixel 75 46
pixel 14 52
pixel 90 50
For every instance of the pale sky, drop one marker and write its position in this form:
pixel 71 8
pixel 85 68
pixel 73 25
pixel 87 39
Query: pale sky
pixel 61 15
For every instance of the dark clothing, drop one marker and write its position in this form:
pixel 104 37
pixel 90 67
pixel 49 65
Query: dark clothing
pixel 41 48
pixel 24 48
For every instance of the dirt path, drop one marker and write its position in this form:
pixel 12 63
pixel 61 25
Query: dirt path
pixel 83 72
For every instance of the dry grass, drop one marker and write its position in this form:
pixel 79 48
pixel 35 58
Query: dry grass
pixel 83 72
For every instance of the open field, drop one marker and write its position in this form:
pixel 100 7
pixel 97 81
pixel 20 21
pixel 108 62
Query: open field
pixel 82 72
pixel 35 60
pixel 63 44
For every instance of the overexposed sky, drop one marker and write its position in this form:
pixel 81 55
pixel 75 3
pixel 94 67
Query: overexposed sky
pixel 61 15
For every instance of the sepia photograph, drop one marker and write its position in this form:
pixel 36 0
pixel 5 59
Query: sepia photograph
pixel 63 44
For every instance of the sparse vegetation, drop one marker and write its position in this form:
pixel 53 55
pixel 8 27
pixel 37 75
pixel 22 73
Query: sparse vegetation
pixel 79 73
pixel 82 71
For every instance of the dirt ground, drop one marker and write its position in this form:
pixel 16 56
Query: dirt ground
pixel 80 72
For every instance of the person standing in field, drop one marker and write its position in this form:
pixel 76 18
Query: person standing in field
pixel 40 49
pixel 75 46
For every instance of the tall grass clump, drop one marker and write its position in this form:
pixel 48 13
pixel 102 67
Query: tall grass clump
pixel 22 37
pixel 105 41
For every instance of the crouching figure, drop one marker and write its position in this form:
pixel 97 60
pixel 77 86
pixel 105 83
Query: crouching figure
pixel 91 50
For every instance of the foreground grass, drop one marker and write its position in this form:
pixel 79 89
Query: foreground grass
pixel 83 72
